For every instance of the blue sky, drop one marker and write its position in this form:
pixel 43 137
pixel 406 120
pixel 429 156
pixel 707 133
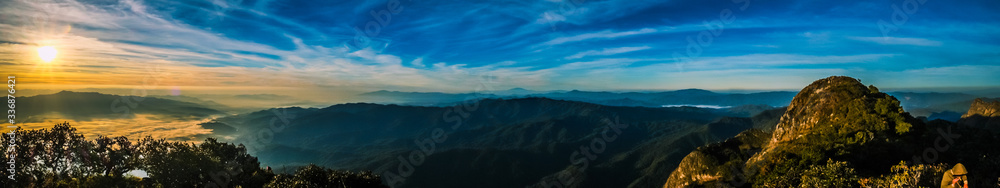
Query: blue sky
pixel 460 46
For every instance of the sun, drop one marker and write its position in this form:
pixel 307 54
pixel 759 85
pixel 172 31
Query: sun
pixel 47 53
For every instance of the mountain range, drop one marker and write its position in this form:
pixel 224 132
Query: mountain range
pixel 498 143
pixel 573 138
pixel 85 106
pixel 644 99
pixel 934 105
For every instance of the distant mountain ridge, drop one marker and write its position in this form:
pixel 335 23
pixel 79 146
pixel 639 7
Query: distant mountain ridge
pixel 644 99
pixel 83 106
pixel 934 105
pixel 984 113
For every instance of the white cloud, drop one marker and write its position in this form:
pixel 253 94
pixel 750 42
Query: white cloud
pixel 979 70
pixel 607 34
pixel 607 51
pixel 550 18
pixel 773 60
pixel 388 59
pixel 366 53
pixel 418 62
pixel 819 38
pixel 898 41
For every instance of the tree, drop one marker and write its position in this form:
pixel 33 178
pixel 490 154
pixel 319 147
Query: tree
pixel 833 174
pixel 316 176
pixel 59 157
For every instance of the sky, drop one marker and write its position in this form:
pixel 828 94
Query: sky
pixel 339 48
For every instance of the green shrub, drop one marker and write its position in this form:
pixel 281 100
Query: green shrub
pixel 904 175
pixel 833 174
pixel 316 176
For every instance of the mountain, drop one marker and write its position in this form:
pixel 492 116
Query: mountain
pixel 918 100
pixel 984 113
pixel 195 100
pixel 834 118
pixel 750 110
pixel 422 98
pixel 935 105
pixel 984 107
pixel 494 142
pixel 679 97
pixel 837 132
pixel 719 164
pixel 516 92
pixel 647 165
pixel 84 106
pixel 644 99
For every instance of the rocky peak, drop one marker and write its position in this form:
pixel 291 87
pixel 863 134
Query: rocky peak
pixel 984 113
pixel 834 117
pixel 816 101
pixel 985 108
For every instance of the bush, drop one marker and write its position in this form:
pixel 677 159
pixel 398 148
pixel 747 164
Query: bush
pixel 833 174
pixel 904 175
pixel 316 176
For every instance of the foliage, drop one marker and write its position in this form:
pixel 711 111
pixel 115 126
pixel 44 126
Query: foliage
pixel 850 123
pixel 833 174
pixel 784 171
pixel 904 175
pixel 315 176
pixel 845 135
pixel 59 157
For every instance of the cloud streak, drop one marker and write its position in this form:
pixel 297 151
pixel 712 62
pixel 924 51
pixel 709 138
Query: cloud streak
pixel 607 34
pixel 898 41
pixel 304 45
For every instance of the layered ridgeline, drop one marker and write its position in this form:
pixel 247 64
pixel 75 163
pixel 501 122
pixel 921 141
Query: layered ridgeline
pixel 535 142
pixel 645 99
pixel 934 105
pixel 839 133
pixel 85 106
pixel 984 113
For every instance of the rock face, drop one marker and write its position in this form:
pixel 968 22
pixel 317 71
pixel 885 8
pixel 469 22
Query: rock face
pixel 840 104
pixel 816 101
pixel 986 108
pixel 831 120
pixel 834 118
pixel 720 164
pixel 984 113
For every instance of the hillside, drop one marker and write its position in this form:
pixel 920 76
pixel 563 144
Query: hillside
pixel 522 142
pixel 838 132
pixel 984 113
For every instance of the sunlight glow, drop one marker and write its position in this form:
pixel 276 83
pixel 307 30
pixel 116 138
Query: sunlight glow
pixel 47 53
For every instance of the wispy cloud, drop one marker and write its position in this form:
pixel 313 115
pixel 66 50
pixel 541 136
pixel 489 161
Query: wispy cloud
pixel 779 60
pixel 607 51
pixel 606 34
pixel 427 48
pixel 898 41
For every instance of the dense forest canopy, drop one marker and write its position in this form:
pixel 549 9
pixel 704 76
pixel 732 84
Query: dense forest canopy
pixel 60 157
